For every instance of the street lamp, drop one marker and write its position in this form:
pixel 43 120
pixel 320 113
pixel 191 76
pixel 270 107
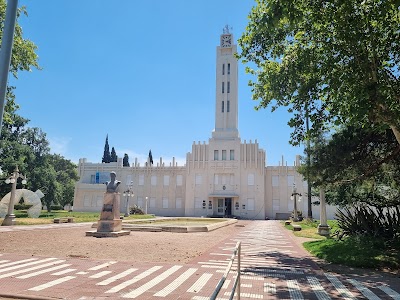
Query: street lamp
pixel 13 178
pixel 145 211
pixel 128 193
pixel 293 197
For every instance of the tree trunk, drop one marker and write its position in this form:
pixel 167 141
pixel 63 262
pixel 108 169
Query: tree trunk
pixel 396 132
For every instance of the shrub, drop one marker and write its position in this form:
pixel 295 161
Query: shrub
pixel 22 206
pixel 136 210
pixel 56 207
pixel 367 221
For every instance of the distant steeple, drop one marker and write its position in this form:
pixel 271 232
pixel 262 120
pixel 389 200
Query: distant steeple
pixel 106 155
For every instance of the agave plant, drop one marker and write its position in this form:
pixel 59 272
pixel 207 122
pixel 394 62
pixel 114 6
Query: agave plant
pixel 369 221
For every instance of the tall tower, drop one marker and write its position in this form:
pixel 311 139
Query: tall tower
pixel 226 98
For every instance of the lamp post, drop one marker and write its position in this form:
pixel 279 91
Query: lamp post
pixel 13 178
pixel 145 210
pixel 128 193
pixel 293 197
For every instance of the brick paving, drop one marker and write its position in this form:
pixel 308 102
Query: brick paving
pixel 273 266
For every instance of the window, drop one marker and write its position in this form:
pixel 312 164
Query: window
pixel 232 154
pixel 198 179
pixel 215 154
pixel 250 179
pixel 129 180
pixel 141 179
pixel 92 179
pixel 223 69
pixel 164 202
pixel 223 179
pixel 179 180
pixel 275 180
pixel 223 87
pixel 250 204
pixel 227 105
pixel 178 203
pixel 140 202
pixel 222 108
pixel 223 154
pixel 197 203
pixel 215 178
pixel 166 180
pixel 276 205
pixel 228 87
pixel 229 69
pixel 290 180
pixel 153 180
pixel 152 202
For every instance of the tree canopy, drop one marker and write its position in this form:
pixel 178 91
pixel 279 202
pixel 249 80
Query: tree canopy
pixel 27 147
pixel 336 60
pixel 24 57
pixel 357 164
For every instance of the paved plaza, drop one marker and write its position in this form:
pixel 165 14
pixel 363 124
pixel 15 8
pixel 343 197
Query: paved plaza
pixel 274 266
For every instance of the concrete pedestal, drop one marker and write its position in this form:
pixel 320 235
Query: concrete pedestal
pixel 110 224
pixel 324 230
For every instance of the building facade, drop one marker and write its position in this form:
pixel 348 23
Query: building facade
pixel 224 177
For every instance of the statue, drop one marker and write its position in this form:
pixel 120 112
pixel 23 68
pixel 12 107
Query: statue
pixel 112 186
pixel 110 223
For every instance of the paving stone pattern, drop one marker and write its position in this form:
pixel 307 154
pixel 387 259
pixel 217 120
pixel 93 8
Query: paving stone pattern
pixel 273 266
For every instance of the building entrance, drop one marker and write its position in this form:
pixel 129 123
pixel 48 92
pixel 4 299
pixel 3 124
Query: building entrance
pixel 224 207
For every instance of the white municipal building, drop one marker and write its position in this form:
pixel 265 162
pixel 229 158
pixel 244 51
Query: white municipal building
pixel 224 177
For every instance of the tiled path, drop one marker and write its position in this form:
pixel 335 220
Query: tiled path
pixel 273 266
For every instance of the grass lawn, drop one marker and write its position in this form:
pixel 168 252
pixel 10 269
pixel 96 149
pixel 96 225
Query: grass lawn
pixel 79 217
pixel 351 251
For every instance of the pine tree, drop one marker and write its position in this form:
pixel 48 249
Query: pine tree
pixel 125 161
pixel 114 156
pixel 106 156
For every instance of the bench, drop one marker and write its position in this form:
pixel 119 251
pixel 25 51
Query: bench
pixel 296 227
pixel 64 220
pixel 288 222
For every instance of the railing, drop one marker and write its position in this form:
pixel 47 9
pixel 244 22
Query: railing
pixel 236 284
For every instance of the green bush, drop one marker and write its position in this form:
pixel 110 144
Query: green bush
pixel 22 206
pixel 367 221
pixel 136 210
pixel 56 207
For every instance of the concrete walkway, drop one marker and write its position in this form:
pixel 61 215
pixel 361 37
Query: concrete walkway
pixel 274 266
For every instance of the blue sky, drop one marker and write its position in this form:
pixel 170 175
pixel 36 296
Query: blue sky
pixel 142 72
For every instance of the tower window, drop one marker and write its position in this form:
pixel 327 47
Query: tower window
pixel 215 154
pixel 232 154
pixel 223 154
pixel 228 87
pixel 223 87
pixel 223 69
pixel 227 106
pixel 229 69
pixel 222 106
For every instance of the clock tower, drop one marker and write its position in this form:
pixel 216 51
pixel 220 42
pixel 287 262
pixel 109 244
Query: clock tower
pixel 226 98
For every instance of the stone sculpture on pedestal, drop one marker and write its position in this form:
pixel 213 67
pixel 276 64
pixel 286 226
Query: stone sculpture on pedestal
pixel 110 223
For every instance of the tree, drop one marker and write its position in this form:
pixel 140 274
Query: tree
pixel 23 57
pixel 26 147
pixel 338 58
pixel 66 177
pixel 357 164
pixel 106 155
pixel 125 161
pixel 114 157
